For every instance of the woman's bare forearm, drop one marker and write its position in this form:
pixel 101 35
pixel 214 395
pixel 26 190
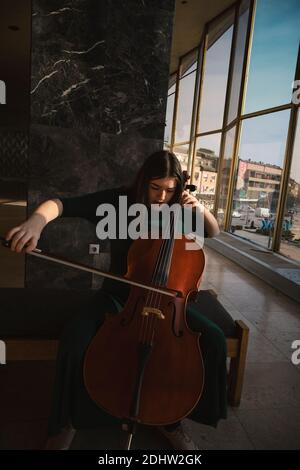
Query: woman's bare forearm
pixel 49 210
pixel 27 234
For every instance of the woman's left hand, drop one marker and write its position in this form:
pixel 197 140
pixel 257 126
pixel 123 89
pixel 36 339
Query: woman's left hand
pixel 187 198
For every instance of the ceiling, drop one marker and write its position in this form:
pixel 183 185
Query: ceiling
pixel 190 18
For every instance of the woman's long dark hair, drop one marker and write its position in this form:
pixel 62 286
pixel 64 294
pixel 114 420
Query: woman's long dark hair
pixel 161 164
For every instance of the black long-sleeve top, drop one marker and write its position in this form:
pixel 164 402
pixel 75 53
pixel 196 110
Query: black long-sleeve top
pixel 85 207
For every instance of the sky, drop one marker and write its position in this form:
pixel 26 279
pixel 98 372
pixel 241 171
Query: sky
pixel 270 79
pixel 274 53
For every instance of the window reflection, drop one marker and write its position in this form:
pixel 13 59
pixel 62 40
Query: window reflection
pixel 290 236
pixel 258 178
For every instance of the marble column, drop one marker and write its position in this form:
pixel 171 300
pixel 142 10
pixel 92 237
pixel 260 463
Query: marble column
pixel 98 100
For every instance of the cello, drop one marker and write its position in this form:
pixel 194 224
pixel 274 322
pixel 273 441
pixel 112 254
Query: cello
pixel 144 365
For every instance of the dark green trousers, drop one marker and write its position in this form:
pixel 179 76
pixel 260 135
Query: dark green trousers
pixel 71 402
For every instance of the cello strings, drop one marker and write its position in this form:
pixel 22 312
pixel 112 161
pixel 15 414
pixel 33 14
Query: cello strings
pixel 166 264
pixel 163 264
pixel 145 321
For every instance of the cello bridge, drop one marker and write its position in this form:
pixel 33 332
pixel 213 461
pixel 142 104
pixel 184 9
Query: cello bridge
pixel 154 311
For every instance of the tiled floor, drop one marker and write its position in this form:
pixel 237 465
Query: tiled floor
pixel 269 414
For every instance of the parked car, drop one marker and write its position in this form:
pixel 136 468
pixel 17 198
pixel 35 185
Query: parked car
pixel 236 214
pixel 262 212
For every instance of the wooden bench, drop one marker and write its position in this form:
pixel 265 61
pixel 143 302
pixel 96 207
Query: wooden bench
pixel 35 336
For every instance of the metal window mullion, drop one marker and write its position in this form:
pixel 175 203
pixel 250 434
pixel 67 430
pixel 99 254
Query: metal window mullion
pixel 202 56
pixel 263 112
pixel 203 134
pixel 174 121
pixel 231 63
pixel 182 142
pixel 194 111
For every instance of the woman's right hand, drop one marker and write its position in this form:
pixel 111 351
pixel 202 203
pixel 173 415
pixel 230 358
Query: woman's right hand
pixel 25 236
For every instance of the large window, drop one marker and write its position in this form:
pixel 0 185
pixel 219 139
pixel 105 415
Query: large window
pixel 235 121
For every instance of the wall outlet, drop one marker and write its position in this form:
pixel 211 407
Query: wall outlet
pixel 94 249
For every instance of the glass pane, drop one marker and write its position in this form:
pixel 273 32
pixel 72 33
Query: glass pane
pixel 290 238
pixel 216 74
pixel 182 153
pixel 172 83
pixel 274 54
pixel 258 178
pixel 206 168
pixel 225 174
pixel 172 89
pixel 185 107
pixel 238 60
pixel 169 118
pixel 189 63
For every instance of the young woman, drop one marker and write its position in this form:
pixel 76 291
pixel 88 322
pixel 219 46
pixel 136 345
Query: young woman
pixel 160 180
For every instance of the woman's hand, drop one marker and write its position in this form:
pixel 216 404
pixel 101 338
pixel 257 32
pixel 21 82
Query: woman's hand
pixel 210 224
pixel 26 234
pixel 187 198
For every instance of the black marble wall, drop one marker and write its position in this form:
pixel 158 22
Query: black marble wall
pixel 98 99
